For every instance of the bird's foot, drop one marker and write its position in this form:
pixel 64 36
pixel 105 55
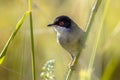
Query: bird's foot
pixel 71 64
pixel 72 67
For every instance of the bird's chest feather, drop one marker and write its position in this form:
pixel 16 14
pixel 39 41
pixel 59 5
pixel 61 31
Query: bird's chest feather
pixel 65 36
pixel 68 40
pixel 65 40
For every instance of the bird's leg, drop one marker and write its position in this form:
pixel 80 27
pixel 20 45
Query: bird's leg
pixel 71 65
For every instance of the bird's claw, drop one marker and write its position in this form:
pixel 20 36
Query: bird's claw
pixel 72 67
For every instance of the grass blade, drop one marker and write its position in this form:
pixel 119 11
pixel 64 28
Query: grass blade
pixel 92 59
pixel 32 40
pixel 87 30
pixel 20 22
pixel 110 68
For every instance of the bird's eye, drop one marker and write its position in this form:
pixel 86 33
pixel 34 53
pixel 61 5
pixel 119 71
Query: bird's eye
pixel 61 23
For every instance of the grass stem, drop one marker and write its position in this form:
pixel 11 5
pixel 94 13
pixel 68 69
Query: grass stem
pixel 32 40
pixel 98 36
pixel 19 24
pixel 88 27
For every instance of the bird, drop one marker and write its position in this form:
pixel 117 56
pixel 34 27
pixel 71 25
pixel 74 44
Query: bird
pixel 69 35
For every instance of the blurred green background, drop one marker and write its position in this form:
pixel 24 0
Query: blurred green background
pixel 17 63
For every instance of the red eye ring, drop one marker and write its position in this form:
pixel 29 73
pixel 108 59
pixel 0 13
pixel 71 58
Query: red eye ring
pixel 61 23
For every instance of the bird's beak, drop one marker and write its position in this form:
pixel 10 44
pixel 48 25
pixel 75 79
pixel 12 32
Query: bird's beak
pixel 49 25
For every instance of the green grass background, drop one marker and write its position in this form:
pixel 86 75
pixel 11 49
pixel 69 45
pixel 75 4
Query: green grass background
pixel 17 63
